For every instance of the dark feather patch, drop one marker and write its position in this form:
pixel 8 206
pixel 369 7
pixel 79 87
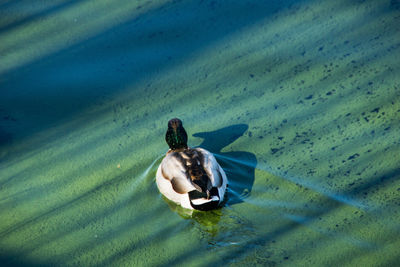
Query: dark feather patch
pixel 192 161
pixel 196 195
pixel 206 206
pixel 196 171
pixel 178 187
pixel 219 179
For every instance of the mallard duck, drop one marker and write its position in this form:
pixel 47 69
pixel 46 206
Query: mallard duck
pixel 190 177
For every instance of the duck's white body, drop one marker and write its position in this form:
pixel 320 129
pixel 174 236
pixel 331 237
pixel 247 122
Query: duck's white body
pixel 175 178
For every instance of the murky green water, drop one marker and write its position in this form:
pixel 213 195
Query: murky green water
pixel 299 101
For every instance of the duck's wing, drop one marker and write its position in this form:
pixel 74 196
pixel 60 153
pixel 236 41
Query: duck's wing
pixel 211 166
pixel 174 170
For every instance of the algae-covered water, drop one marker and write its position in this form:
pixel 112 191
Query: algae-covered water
pixel 298 100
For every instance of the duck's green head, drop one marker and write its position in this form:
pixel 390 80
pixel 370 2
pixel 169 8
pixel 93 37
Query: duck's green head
pixel 176 135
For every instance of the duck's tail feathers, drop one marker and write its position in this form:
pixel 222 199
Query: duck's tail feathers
pixel 204 201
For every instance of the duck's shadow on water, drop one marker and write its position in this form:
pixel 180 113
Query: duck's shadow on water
pixel 239 166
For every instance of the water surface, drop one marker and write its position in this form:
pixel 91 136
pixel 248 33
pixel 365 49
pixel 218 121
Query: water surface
pixel 299 101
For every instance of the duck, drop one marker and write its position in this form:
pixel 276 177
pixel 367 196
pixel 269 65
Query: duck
pixel 190 177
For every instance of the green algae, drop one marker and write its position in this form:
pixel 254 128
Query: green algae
pixel 305 100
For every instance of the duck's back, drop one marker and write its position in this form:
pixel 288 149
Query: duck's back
pixel 189 170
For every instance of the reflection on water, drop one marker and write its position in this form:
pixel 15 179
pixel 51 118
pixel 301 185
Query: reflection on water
pixel 206 220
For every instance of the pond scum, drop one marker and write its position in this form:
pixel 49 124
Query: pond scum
pixel 299 101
